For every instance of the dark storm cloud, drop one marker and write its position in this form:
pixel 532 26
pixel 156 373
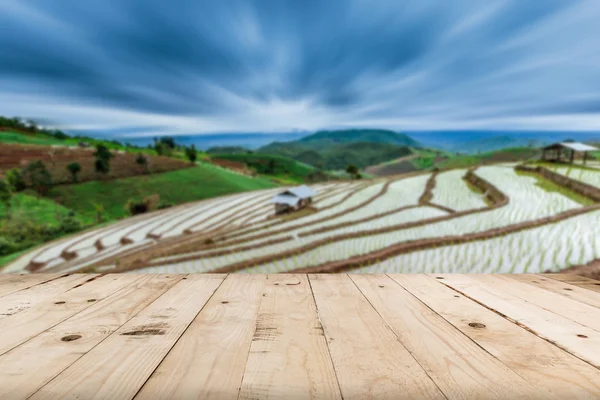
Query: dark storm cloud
pixel 275 64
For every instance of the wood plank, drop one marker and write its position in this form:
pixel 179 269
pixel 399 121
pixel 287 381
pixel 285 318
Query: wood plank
pixel 564 289
pixel 458 366
pixel 565 333
pixel 18 328
pixel 555 372
pixel 118 367
pixel 581 313
pixel 11 283
pixel 24 299
pixel 209 360
pixel 577 280
pixel 369 360
pixel 289 356
pixel 28 367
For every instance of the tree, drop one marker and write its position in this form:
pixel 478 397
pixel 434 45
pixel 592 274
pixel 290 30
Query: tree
pixel 103 156
pixel 142 161
pixel 270 167
pixel 352 170
pixel 74 168
pixel 102 166
pixel 39 176
pixel 191 154
pixel 15 180
pixel 5 196
pixel 164 146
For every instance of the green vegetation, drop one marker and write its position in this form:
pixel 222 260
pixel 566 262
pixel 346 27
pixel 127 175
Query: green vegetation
pixel 516 154
pixel 74 168
pixel 38 176
pixel 282 169
pixel 176 187
pixel 4 260
pixel 336 156
pixel 31 220
pixel 360 135
pixel 551 187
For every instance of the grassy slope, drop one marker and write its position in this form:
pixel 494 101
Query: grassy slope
pixel 29 206
pixel 201 182
pixel 47 140
pixel 296 171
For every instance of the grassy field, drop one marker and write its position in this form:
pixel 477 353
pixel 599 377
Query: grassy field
pixel 201 182
pixel 284 167
pixel 28 206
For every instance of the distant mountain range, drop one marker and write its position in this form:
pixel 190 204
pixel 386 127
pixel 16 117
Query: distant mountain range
pixel 482 141
pixel 335 150
pixel 295 143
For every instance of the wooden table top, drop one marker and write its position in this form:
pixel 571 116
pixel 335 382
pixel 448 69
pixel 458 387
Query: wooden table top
pixel 124 336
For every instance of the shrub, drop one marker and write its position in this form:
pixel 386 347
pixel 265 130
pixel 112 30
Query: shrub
pixel 150 203
pixel 191 154
pixel 103 156
pixel 15 180
pixel 69 224
pixel 5 194
pixel 7 246
pixel 39 176
pixel 74 168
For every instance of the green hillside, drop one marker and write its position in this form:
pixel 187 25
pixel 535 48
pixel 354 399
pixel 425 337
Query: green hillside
pixel 177 187
pixel 335 150
pixel 361 135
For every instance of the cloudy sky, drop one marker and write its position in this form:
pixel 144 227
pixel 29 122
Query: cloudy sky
pixel 185 66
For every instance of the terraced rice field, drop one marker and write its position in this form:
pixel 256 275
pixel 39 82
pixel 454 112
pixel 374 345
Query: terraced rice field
pixel 493 220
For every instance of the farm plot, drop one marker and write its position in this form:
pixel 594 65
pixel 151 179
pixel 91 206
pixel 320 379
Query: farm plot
pixel 121 237
pixel 386 210
pixel 588 176
pixel 574 241
pixel 527 202
pixel 202 263
pixel 453 192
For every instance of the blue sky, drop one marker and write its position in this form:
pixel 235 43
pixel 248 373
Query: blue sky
pixel 141 67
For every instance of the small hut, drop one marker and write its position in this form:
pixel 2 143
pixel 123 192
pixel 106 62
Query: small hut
pixel 565 151
pixel 293 199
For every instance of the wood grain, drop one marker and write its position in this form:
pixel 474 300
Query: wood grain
pixel 289 356
pixel 553 371
pixel 579 312
pixel 208 362
pixel 577 280
pixel 369 360
pixel 23 299
pixel 118 367
pixel 575 338
pixel 18 328
pixel 571 291
pixel 11 283
pixel 460 368
pixel 31 365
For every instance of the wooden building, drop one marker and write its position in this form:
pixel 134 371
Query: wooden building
pixel 293 199
pixel 566 151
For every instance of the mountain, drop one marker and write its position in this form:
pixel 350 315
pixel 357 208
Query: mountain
pixel 206 141
pixel 227 150
pixel 335 150
pixel 361 135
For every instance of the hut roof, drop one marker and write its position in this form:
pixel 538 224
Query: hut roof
pixel 302 192
pixel 286 199
pixel 573 146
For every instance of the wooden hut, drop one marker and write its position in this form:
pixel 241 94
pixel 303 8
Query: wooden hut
pixel 565 151
pixel 293 199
